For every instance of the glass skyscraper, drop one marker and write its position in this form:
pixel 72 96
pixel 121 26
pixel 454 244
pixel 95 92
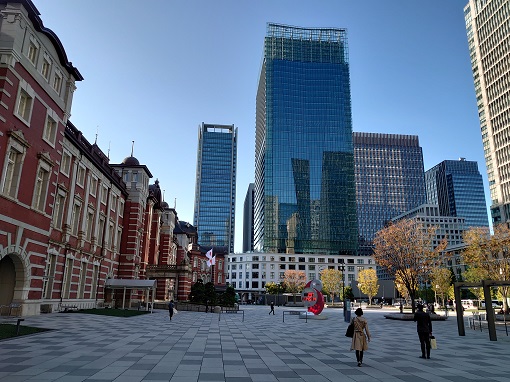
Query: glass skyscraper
pixel 215 189
pixel 305 199
pixel 457 188
pixel 488 34
pixel 389 180
pixel 248 219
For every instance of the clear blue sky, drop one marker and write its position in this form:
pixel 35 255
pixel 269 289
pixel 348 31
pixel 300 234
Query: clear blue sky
pixel 155 70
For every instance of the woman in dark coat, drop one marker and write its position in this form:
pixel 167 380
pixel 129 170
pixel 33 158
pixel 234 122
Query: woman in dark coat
pixel 424 329
pixel 361 335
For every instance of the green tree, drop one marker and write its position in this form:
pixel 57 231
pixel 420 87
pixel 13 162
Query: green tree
pixel 197 293
pixel 440 280
pixel 368 283
pixel 348 293
pixel 210 293
pixel 332 282
pixel 475 275
pixel 228 298
pixel 272 288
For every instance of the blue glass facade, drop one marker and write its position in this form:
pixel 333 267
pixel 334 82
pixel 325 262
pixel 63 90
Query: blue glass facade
pixel 215 189
pixel 457 187
pixel 389 180
pixel 304 165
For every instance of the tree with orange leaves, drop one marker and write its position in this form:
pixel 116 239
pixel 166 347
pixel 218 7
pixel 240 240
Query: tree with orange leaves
pixel 294 281
pixel 488 256
pixel 405 250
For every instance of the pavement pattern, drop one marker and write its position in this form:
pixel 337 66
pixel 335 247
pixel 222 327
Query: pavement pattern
pixel 199 347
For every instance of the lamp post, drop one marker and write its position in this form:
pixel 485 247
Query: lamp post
pixel 342 268
pixel 280 288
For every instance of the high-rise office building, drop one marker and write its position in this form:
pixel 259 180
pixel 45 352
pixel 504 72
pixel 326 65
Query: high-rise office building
pixel 389 181
pixel 305 199
pixel 488 33
pixel 248 219
pixel 457 188
pixel 215 190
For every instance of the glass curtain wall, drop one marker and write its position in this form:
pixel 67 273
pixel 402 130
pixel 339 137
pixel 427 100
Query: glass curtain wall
pixel 304 177
pixel 215 191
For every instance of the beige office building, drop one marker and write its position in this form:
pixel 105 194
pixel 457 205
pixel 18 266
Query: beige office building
pixel 488 32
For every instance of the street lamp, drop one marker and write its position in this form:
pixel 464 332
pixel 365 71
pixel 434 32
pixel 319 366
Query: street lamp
pixel 342 268
pixel 280 289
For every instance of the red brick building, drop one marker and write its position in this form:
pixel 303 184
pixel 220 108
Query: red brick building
pixel 70 220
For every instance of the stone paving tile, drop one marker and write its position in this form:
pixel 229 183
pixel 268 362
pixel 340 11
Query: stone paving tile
pixel 197 347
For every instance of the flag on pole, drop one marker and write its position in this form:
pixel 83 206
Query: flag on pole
pixel 211 260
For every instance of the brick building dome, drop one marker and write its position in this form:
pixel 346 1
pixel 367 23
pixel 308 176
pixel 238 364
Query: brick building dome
pixel 131 161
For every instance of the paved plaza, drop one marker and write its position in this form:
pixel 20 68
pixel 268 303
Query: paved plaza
pixel 196 346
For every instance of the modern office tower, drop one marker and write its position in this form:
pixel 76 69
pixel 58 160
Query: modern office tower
pixel 389 180
pixel 215 191
pixel 449 227
pixel 488 32
pixel 457 188
pixel 305 200
pixel 248 219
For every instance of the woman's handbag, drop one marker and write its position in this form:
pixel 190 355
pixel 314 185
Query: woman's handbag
pixel 350 330
pixel 433 343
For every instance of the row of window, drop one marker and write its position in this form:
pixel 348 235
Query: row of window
pixel 67 287
pixel 12 171
pixel 301 260
pixel 93 224
pixel 254 284
pixel 300 267
pixel 44 64
pixel 203 264
pixel 263 275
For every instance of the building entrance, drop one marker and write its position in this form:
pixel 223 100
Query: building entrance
pixel 7 280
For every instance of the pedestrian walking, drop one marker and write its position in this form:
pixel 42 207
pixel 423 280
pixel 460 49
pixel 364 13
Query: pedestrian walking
pixel 424 329
pixel 206 306
pixel 272 308
pixel 361 335
pixel 171 309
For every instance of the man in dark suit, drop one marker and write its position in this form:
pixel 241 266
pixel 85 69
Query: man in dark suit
pixel 424 329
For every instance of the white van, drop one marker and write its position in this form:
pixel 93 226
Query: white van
pixel 468 304
pixel 495 304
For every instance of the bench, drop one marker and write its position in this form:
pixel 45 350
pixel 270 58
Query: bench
pixel 291 313
pixel 68 308
pixel 477 318
pixel 12 321
pixel 11 310
pixel 230 311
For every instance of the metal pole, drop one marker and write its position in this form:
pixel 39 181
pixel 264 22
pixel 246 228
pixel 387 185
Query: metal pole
pixel 491 319
pixel 63 274
pixel 342 268
pixel 458 307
